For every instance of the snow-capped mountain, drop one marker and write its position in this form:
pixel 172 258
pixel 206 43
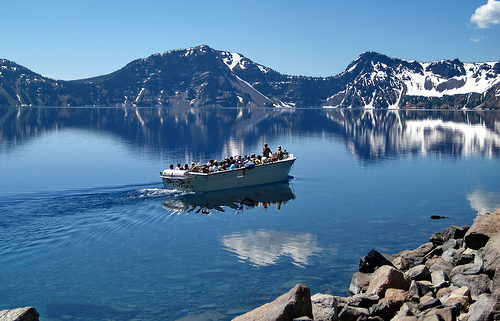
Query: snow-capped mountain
pixel 202 76
pixel 378 81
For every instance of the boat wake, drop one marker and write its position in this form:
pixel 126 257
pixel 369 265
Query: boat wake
pixel 31 221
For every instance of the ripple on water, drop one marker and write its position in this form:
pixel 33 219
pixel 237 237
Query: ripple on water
pixel 29 222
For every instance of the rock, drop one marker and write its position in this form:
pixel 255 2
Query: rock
pixel 430 317
pixel 418 255
pixel 20 314
pixel 406 318
pixel 373 260
pixel 419 289
pixel 362 300
pixel 429 304
pixel 496 294
pixel 451 255
pixel 466 257
pixel 482 309
pixel 439 264
pixel 401 263
pixel 426 298
pixel 324 307
pixel 293 304
pixel 442 293
pixel 463 317
pixel 384 309
pixel 396 297
pixel 450 244
pixel 491 255
pixel 459 298
pixel 359 282
pixel 419 273
pixel 349 313
pixel 408 309
pixel 438 217
pixel 466 269
pixel 303 319
pixel 443 314
pixel 452 232
pixel 484 227
pixel 477 284
pixel 439 277
pixel 384 278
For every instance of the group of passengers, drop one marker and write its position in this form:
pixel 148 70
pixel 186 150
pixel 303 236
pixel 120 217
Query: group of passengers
pixel 248 161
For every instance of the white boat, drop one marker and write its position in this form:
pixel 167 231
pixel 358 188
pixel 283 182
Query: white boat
pixel 266 173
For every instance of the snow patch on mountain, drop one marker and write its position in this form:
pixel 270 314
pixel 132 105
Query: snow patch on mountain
pixel 478 77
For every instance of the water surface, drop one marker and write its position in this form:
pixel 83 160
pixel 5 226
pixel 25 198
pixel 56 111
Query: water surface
pixel 88 233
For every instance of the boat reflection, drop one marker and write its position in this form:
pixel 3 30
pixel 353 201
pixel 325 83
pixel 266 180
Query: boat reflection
pixel 265 196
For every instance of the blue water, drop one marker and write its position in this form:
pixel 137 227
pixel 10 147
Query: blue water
pixel 88 233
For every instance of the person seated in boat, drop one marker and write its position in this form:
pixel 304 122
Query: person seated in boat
pixel 233 165
pixel 285 154
pixel 186 167
pixel 278 154
pixel 171 166
pixel 179 167
pixel 266 151
pixel 223 166
pixel 193 167
pixel 238 161
pixel 215 167
pixel 258 160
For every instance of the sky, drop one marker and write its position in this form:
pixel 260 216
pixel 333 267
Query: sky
pixel 67 40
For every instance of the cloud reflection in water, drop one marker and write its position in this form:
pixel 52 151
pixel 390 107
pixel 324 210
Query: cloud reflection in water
pixel 263 248
pixel 482 201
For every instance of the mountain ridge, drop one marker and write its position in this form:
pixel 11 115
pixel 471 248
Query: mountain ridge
pixel 203 76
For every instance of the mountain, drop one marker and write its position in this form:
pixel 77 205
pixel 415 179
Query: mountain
pixel 375 80
pixel 202 76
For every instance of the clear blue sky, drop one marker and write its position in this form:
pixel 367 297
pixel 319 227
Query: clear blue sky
pixel 67 39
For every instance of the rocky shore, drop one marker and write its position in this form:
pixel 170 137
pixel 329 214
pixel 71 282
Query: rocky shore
pixel 455 276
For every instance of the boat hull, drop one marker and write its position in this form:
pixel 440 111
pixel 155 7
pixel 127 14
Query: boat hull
pixel 262 174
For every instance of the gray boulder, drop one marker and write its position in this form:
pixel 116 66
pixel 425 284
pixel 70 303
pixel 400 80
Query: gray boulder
pixel 20 314
pixel 438 264
pixel 350 313
pixel 477 284
pixel 466 269
pixel 482 309
pixel 452 232
pixel 439 277
pixel 491 255
pixel 362 300
pixel 418 273
pixel 293 304
pixel 324 307
pixel 484 227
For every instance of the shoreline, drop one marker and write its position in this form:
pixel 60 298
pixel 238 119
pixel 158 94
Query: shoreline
pixel 454 276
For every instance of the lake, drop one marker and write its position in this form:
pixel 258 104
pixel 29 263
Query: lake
pixel 88 233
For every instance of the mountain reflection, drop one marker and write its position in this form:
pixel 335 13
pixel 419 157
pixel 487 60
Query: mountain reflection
pixel 371 135
pixel 270 195
pixel 262 248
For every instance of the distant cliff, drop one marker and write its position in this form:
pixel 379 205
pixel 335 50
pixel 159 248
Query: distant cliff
pixel 202 76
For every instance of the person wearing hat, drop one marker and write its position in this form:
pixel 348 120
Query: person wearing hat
pixel 266 151
pixel 278 153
